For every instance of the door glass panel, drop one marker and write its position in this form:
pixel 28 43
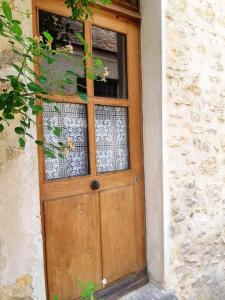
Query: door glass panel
pixel 72 120
pixel 59 69
pixel 112 146
pixel 110 46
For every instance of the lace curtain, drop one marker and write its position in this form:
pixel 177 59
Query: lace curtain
pixel 72 120
pixel 112 149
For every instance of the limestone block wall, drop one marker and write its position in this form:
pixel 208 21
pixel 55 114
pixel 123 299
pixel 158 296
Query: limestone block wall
pixel 21 250
pixel 193 105
pixel 194 45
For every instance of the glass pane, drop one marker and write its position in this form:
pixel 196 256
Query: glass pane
pixel 110 46
pixel 63 30
pixel 72 120
pixel 112 146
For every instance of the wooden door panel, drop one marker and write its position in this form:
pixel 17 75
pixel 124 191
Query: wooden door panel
pixel 71 186
pixel 91 235
pixel 118 235
pixel 72 244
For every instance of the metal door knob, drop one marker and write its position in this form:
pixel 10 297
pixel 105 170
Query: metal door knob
pixel 95 185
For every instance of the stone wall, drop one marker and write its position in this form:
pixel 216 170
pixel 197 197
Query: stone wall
pixel 21 257
pixel 194 162
pixel 194 44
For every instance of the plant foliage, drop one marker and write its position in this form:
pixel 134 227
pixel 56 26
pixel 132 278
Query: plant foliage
pixel 23 91
pixel 81 9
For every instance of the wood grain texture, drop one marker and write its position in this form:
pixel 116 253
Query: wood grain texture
pixel 134 75
pixel 122 10
pixel 72 244
pixel 57 6
pixel 118 234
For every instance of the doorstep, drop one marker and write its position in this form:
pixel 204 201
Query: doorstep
pixel 149 292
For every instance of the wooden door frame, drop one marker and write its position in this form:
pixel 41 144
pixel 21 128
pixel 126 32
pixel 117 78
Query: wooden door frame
pixel 139 278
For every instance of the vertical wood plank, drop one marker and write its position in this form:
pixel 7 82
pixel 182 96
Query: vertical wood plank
pixel 118 233
pixel 88 40
pixel 92 139
pixel 134 75
pixel 72 244
pixel 90 93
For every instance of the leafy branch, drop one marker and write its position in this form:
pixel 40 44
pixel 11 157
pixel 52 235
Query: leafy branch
pixel 23 92
pixel 81 9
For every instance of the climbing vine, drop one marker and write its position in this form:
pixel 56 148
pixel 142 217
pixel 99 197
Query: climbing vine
pixel 23 91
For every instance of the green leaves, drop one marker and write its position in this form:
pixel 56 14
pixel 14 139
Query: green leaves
pixel 57 110
pixel 36 109
pixel 1 127
pixel 16 29
pixel 48 36
pixel 87 293
pixel 8 116
pixel 7 10
pixel 106 2
pixel 21 89
pixel 81 9
pixel 39 143
pixel 19 130
pixel 1 25
pixel 22 142
pixel 49 153
pixel 83 96
pixel 80 38
pixel 3 100
pixel 57 131
pixel 88 290
pixel 98 62
pixel 17 68
pixel 34 87
pixel 91 76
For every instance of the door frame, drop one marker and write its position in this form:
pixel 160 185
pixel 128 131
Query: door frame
pixel 155 127
pixel 133 281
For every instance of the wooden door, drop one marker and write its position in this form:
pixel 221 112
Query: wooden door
pixel 92 200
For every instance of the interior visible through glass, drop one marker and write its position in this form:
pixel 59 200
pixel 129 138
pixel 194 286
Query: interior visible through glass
pixel 110 47
pixel 72 120
pixel 112 142
pixel 65 72
pixel 131 2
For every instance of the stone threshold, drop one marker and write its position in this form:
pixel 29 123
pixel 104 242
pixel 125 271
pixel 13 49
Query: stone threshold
pixel 149 292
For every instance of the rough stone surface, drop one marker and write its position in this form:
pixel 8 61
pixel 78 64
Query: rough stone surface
pixel 21 290
pixel 20 227
pixel 194 39
pixel 195 70
pixel 149 292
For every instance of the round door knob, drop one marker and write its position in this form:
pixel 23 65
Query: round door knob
pixel 95 185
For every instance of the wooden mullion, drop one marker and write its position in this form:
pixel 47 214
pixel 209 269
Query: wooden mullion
pixel 91 138
pixel 88 39
pixel 90 106
pixel 93 100
pixel 65 99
